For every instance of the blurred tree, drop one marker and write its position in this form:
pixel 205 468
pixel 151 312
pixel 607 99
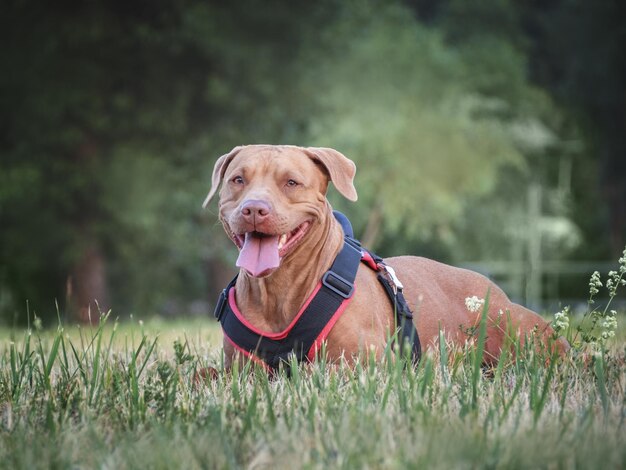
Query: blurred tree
pixel 573 51
pixel 491 36
pixel 577 52
pixel 109 109
pixel 429 125
pixel 111 114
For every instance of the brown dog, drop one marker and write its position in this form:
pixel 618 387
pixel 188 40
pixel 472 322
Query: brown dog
pixel 273 207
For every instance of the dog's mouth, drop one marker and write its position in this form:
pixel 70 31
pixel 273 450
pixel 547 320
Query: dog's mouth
pixel 260 253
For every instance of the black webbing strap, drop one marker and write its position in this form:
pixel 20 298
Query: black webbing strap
pixel 404 319
pixel 337 286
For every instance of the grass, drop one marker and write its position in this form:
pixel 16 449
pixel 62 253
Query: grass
pixel 124 396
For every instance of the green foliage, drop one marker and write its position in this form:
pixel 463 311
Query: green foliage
pixel 112 115
pixel 401 103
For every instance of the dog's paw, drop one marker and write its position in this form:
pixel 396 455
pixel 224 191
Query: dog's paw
pixel 205 374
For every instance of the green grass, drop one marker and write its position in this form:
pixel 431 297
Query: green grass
pixel 124 397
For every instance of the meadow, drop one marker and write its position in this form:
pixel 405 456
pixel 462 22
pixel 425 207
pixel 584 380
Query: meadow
pixel 133 395
pixel 125 396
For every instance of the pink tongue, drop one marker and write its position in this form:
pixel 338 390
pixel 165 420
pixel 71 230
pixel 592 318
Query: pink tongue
pixel 258 254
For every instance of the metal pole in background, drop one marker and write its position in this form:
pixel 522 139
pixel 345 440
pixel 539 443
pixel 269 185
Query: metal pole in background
pixel 535 268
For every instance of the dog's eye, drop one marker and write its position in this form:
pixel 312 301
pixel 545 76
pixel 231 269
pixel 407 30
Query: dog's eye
pixel 237 180
pixel 292 183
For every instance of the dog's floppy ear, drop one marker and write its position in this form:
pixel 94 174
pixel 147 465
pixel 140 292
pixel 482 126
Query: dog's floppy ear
pixel 218 172
pixel 340 168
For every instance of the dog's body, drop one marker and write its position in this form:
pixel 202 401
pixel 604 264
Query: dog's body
pixel 273 206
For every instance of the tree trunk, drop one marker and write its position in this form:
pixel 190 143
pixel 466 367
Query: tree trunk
pixel 372 230
pixel 86 287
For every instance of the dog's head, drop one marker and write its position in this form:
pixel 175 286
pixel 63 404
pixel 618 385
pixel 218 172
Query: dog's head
pixel 272 197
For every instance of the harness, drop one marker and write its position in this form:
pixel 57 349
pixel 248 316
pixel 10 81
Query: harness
pixel 304 336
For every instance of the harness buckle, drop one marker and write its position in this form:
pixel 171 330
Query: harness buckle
pixel 353 243
pixel 397 285
pixel 221 303
pixel 338 284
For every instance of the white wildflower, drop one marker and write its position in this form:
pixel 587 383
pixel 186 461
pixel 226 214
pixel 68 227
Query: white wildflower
pixel 607 335
pixel 609 325
pixel 594 283
pixel 622 262
pixel 561 321
pixel 615 280
pixel 610 286
pixel 474 304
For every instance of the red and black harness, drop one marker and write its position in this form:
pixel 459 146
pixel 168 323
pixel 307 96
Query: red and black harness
pixel 303 338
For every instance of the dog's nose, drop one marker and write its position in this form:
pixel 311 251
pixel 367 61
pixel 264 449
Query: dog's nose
pixel 255 211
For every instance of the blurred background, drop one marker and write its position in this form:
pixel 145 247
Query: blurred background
pixel 488 134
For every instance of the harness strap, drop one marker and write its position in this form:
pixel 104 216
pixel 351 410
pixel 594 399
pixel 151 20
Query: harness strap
pixel 405 329
pixel 311 326
pixel 404 319
pixel 333 294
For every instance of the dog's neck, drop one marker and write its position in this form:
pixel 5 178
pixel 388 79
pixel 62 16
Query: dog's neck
pixel 271 303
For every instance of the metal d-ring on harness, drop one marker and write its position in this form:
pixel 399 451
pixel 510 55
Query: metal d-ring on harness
pixel 312 324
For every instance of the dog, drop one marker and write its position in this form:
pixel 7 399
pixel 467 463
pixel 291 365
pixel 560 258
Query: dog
pixel 273 206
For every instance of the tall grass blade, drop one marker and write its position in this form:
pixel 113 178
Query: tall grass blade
pixel 480 351
pixel 599 370
pixel 547 384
